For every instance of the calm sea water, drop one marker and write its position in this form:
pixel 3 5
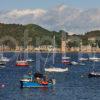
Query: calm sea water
pixel 71 85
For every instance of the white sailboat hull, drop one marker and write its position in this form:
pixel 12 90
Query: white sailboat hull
pixel 56 69
pixel 83 59
pixel 94 59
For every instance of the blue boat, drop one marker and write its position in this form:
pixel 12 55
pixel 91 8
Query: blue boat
pixel 37 81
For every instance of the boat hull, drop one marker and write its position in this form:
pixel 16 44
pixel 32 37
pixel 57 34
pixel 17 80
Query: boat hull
pixel 2 63
pixel 34 85
pixel 22 65
pixel 93 75
pixel 56 69
pixel 66 62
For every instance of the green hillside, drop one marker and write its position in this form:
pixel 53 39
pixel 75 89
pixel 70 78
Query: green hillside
pixel 34 31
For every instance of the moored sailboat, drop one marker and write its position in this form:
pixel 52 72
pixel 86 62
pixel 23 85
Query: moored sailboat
pixel 22 60
pixel 54 68
pixel 3 59
pixel 66 60
pixel 94 57
pixel 94 73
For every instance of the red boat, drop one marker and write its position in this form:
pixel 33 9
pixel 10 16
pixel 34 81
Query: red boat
pixel 66 61
pixel 22 63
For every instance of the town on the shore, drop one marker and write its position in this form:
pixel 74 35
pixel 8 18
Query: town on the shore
pixel 14 36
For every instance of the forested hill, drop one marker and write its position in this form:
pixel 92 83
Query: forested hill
pixel 34 31
pixel 93 33
pixel 17 31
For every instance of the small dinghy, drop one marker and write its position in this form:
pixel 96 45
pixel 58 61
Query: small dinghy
pixel 74 63
pixel 77 63
pixel 29 60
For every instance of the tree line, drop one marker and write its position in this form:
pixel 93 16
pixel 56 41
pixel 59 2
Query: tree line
pixel 35 31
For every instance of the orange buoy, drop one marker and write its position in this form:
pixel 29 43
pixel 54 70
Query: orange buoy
pixel 44 82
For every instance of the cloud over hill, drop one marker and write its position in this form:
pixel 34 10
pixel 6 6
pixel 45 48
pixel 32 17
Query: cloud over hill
pixel 60 17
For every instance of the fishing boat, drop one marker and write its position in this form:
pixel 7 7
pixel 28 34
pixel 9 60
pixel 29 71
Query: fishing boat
pixel 37 81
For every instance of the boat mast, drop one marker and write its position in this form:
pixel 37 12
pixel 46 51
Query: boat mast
pixel 53 49
pixel 63 44
pixel 80 50
pixel 94 55
pixel 2 50
pixel 38 56
pixel 25 44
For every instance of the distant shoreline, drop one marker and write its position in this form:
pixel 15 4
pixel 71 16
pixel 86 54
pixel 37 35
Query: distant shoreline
pixel 55 52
